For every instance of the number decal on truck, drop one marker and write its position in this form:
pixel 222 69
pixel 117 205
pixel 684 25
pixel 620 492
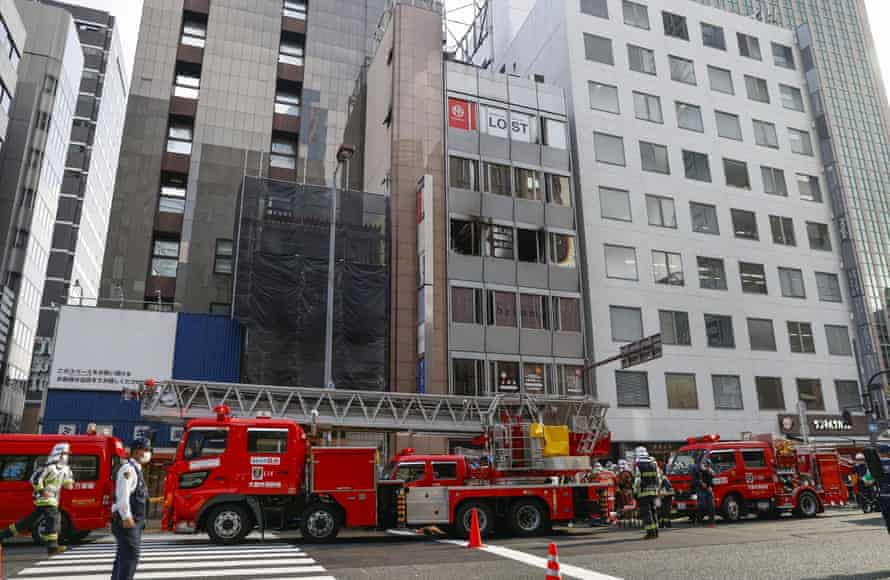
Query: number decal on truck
pixel 265 461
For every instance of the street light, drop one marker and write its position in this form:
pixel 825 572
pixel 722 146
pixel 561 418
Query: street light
pixel 344 154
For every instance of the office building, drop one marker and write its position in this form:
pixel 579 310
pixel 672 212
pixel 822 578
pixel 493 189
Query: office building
pixel 706 215
pixel 33 166
pixel 12 40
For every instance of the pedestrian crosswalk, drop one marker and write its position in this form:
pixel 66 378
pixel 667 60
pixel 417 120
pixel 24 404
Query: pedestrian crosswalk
pixel 184 559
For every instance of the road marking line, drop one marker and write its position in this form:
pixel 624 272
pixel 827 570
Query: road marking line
pixel 289 573
pixel 206 566
pixel 148 548
pixel 84 559
pixel 75 555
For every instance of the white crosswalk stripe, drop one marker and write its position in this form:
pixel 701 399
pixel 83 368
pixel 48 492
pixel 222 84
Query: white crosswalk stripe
pixel 185 559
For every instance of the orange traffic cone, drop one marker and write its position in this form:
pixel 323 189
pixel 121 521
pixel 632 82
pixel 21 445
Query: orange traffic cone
pixel 553 572
pixel 475 534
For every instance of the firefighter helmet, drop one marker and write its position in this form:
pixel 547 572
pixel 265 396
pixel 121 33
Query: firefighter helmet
pixel 59 454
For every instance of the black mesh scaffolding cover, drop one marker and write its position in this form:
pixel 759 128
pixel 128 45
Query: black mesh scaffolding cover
pixel 282 280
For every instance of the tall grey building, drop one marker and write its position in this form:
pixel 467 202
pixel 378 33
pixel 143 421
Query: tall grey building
pixel 33 166
pixel 12 40
pixel 223 89
pixel 849 102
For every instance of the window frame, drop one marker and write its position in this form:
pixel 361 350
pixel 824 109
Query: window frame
pixel 642 56
pixel 736 212
pixel 800 337
pixel 751 49
pixel 716 69
pixel 600 139
pixel 722 271
pixel 768 346
pixel 589 49
pixel 779 392
pixel 655 157
pixel 738 390
pixel 478 314
pixel 697 166
pixel 721 45
pixel 721 320
pixel 774 182
pixel 221 256
pixel 673 271
pixel 782 230
pixel 680 106
pixel 592 87
pixel 713 212
pixel 636 311
pixel 675 25
pixel 688 77
pixel 606 255
pixel 666 211
pixel 787 280
pixel 752 286
pixel 645 101
pixel 677 332
pixel 819 403
pixel 668 388
pixel 733 167
pixel 727 117
pixel 753 86
pixel 626 197
pixel 635 21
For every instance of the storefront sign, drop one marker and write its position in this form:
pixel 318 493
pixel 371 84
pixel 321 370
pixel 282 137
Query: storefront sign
pixel 824 425
pixel 461 114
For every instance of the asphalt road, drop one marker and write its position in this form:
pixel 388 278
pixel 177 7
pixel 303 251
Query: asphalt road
pixel 843 545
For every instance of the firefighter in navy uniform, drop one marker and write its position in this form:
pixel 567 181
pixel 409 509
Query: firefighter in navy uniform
pixel 667 502
pixel 129 510
pixel 647 483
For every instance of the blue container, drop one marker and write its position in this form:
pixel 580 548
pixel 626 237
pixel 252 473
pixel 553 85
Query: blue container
pixel 208 348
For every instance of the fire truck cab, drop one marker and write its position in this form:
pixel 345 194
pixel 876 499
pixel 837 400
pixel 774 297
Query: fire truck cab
pixel 758 477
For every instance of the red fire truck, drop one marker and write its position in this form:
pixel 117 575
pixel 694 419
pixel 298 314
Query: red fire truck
pixel 759 477
pixel 232 475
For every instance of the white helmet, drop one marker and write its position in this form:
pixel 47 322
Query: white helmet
pixel 860 457
pixel 641 452
pixel 59 454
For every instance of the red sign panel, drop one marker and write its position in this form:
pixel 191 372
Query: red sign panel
pixel 461 114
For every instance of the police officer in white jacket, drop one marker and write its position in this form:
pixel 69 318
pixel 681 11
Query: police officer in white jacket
pixel 129 510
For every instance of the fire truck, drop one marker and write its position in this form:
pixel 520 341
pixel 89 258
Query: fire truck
pixel 245 462
pixel 760 476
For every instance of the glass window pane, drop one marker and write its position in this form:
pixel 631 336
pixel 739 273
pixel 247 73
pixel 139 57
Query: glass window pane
pixel 595 8
pixel 654 157
pixel 609 149
pixel 809 188
pixel 819 237
pixel 711 273
pixel 828 287
pixel 675 327
pixel 627 323
pixel 848 397
pixel 838 340
pixel 765 134
pixel 502 308
pixel 569 314
pixel 721 80
pixel 603 97
pixel 809 391
pixel 689 117
pixel 783 55
pixel 632 388
pixel 704 218
pixel 636 14
pixel 682 70
pixel 667 268
pixel 615 204
pixel 749 46
pixel 800 142
pixel 647 107
pixel 744 224
pixel 661 211
pixel 533 312
pixel 769 394
pixel 753 278
pixel 497 178
pixel 562 250
pixel 713 36
pixel 528 184
pixel 598 49
pixel 718 329
pixel 761 334
pixel 164 267
pixel 558 190
pixel 791 281
pixel 773 181
pixel 727 392
pixel 791 98
pixel 681 391
pixel 621 262
pixel 757 89
pixel 697 166
pixel 728 125
pixel 675 25
pixel 641 59
pixel 736 173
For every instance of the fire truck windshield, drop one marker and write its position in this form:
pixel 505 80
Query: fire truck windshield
pixel 406 472
pixel 205 442
pixel 683 462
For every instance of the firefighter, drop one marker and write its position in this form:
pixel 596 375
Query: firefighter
pixel 48 483
pixel 646 486
pixel 129 510
pixel 703 487
pixel 667 502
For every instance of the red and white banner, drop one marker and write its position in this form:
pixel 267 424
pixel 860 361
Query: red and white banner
pixel 461 114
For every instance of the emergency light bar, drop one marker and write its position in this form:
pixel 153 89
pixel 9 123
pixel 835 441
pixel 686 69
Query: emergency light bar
pixel 709 438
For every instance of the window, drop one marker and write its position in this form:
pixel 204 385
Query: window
pixel 838 340
pixel 499 242
pixel 769 393
pixel 791 280
pixel 615 204
pixel 647 107
pixel 757 89
pixel 761 334
pixel 164 258
pixel 194 33
pixel 409 472
pixel 554 133
pixel 627 323
pixel 744 224
pixel 294 9
pixel 800 335
pixel 179 138
pixel 287 104
pixel 765 134
pixel 621 262
pixel 667 268
pixel 505 376
pixel 736 173
pixel 848 395
pixel 654 157
pixel 284 153
pixel 704 218
pixel 603 97
pixel 595 8
pixel 749 46
pixel 675 327
pixel 533 311
pixel 562 250
pixel 783 230
pixel 728 125
pixel 609 148
pixel 570 379
pixel 444 470
pixel 675 25
pixel 205 443
pixel 558 190
pixel 773 181
pixel 697 166
pixel 636 14
pixel 641 59
pixel 598 49
pixel 501 308
pixel 800 142
pixel 290 53
pixel 791 98
pixel 224 258
pixel 718 329
pixel 466 305
pixel 682 70
pixel 753 278
pixel 267 441
pixel 754 458
pixel 632 388
pixel 722 461
pixel 721 80
pixel 681 390
pixel 172 198
pixel 661 211
pixel 808 186
pixel 186 86
pixel 711 273
pixel 496 178
pixel 819 236
pixel 727 392
pixel 689 117
pixel 15 467
pixel 528 184
pixel 466 237
pixel 462 173
pixel 828 287
pixel 713 36
pixel 567 314
pixel 530 246
pixel 783 56
pixel 810 392
pixel 468 377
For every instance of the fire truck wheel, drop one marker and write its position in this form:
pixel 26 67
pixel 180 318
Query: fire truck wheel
pixel 731 510
pixel 807 504
pixel 321 523
pixel 464 516
pixel 528 517
pixel 228 524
